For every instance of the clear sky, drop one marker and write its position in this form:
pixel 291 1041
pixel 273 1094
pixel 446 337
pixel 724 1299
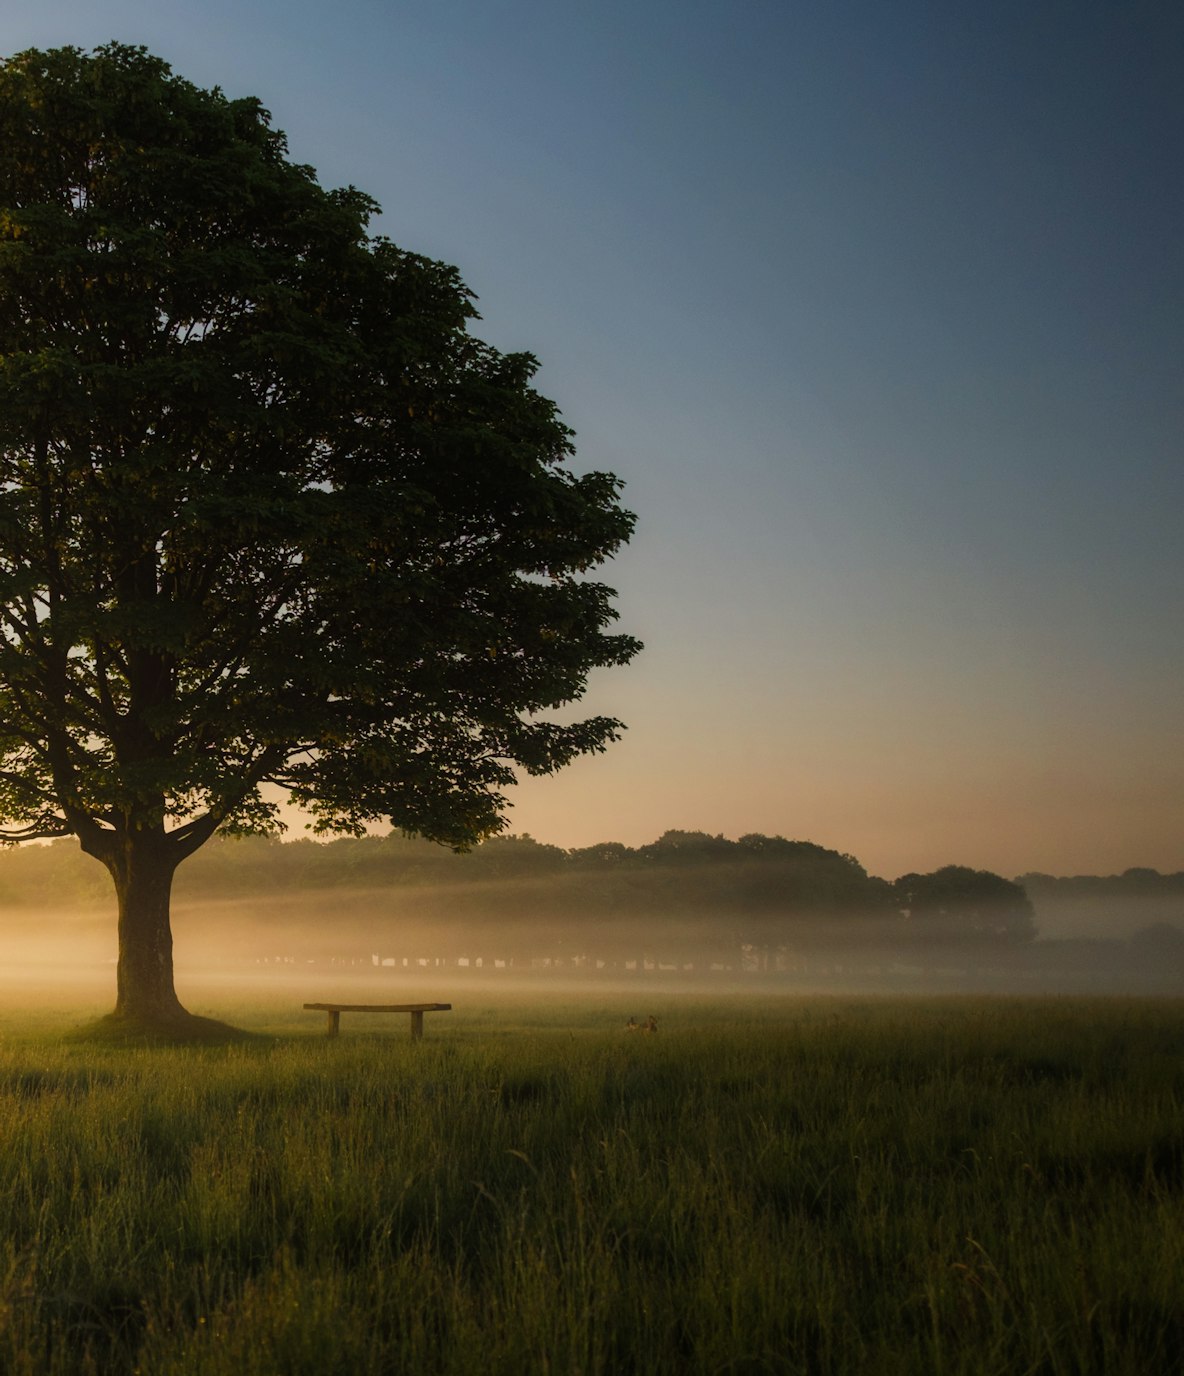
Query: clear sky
pixel 878 309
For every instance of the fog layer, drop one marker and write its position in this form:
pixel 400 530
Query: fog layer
pixel 690 911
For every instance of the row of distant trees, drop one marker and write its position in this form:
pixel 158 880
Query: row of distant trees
pixel 1130 884
pixel 756 889
pixel 1134 904
pixel 688 889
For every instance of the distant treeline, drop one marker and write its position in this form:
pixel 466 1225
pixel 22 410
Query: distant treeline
pixel 1130 884
pixel 751 891
pixel 761 892
pixel 1120 905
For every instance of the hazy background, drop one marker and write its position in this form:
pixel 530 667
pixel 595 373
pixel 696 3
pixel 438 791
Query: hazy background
pixel 878 309
pixel 362 919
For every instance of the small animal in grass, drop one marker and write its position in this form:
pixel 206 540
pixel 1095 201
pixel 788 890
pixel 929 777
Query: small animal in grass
pixel 650 1025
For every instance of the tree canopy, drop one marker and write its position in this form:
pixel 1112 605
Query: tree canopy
pixel 971 903
pixel 269 513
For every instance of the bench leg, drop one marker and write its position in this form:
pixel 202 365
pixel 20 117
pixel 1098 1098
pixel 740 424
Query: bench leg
pixel 334 1022
pixel 416 1026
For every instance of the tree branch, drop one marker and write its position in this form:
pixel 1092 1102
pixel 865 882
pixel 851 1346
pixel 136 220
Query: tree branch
pixel 35 832
pixel 192 835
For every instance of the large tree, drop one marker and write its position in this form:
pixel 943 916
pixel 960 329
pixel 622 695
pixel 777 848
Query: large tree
pixel 269 513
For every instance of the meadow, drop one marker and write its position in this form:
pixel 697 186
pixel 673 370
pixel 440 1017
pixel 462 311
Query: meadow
pixel 770 1184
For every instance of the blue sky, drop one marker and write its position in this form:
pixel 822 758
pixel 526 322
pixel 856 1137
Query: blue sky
pixel 878 309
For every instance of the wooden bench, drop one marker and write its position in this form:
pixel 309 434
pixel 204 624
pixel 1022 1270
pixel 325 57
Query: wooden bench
pixel 417 1010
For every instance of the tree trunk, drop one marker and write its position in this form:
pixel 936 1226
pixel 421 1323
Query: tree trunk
pixel 143 874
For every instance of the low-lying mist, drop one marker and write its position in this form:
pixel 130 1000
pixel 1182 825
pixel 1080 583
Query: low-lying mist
pixel 690 911
pixel 366 943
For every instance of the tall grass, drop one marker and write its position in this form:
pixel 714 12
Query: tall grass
pixel 774 1186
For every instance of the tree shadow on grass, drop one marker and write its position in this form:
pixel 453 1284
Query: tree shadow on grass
pixel 187 1029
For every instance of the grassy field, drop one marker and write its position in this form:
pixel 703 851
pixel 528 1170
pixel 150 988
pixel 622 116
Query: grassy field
pixel 770 1185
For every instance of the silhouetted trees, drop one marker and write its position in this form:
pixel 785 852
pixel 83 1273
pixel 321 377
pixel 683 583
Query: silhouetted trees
pixel 686 895
pixel 765 894
pixel 961 904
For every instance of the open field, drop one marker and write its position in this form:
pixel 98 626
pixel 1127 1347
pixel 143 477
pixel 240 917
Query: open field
pixel 768 1185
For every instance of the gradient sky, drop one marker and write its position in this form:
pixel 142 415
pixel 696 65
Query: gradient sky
pixel 879 311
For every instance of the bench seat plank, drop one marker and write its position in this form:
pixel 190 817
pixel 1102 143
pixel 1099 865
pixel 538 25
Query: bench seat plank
pixel 417 1010
pixel 380 1007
